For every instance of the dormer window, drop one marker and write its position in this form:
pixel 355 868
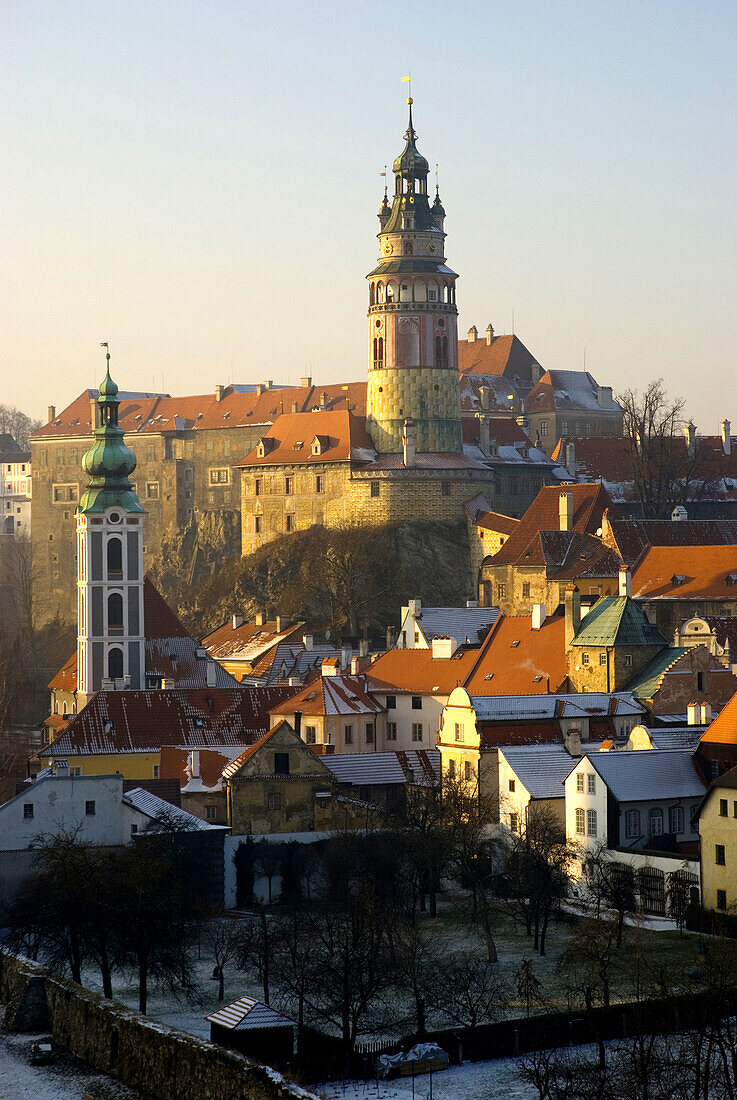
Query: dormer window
pixel 678 579
pixel 263 447
pixel 731 579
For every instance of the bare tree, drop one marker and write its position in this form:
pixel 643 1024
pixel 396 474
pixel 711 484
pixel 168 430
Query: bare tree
pixel 224 938
pixel 16 423
pixel 539 863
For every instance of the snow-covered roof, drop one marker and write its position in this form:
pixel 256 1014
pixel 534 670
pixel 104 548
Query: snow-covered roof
pixel 367 769
pixel 465 624
pixel 159 810
pixel 649 775
pixel 247 1013
pixel 541 769
pixel 500 708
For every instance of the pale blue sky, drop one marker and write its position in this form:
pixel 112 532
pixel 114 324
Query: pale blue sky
pixel 198 184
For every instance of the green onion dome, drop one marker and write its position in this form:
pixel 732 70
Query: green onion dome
pixel 109 462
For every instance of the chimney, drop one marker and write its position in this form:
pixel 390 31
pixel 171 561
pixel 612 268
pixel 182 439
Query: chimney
pixel 472 603
pixel 625 582
pixel 484 439
pixel 194 764
pixel 308 641
pixel 693 712
pixel 726 434
pixel 565 511
pixel 259 618
pixel 573 613
pixel 690 433
pixel 604 397
pixel 484 396
pixel 281 623
pixel 211 672
pixel 523 422
pixel 363 647
pixel 571 459
pixel 52 413
pixel 94 414
pixel 219 393
pixel 414 607
pixel 489 333
pixel 705 715
pixel 306 382
pixel 295 406
pixel 346 653
pixel 572 741
pixel 298 722
pixel 391 637
pixel 472 334
pixel 237 620
pixel 324 400
pixel 409 442
pixel 61 768
pixel 443 648
pixel 268 384
pixel 538 615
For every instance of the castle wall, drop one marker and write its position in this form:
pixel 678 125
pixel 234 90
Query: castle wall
pixel 430 395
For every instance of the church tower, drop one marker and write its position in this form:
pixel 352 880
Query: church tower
pixel 413 338
pixel 110 632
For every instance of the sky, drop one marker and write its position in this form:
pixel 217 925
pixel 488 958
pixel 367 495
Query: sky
pixel 197 183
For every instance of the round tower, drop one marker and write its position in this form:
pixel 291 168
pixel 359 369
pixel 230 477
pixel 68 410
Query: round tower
pixel 412 317
pixel 110 629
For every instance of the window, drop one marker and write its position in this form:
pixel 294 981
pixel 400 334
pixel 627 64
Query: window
pixel 257 487
pixel 115 664
pixel 391 731
pixel 114 558
pixel 526 589
pixel 211 813
pixel 289 522
pixel 501 591
pixel 416 702
pixel 592 783
pixel 721 899
pixel 445 488
pixel 319 483
pixel 75 771
pixel 591 822
pixel 370 733
pixel 675 820
pixel 628 660
pixel 723 807
pixel 89 808
pixel 699 681
pixel 348 734
pixel 656 822
pixel 374 488
pixel 115 612
pixel 152 490
pixel 273 800
pixel 719 855
pixel 288 485
pixel 513 821
pixel 257 524
pixel 151 454
pixel 468 770
pixel 632 823
pixel 734 809
pixel 459 731
pixel 543 428
pixel 602 658
pixel 391 702
pixel 220 477
pixel 134 830
pixel 513 486
pixel 580 821
pixel 27 811
pixel 157 771
pixel 584 658
pixel 451 770
pixel 512 784
pixel 281 763
pixel 417 731
pixel 579 782
pixel 311 735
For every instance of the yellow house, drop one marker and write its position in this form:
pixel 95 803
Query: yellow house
pixel 718 844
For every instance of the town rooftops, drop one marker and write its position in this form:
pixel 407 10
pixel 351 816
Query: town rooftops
pixel 542 769
pixel 142 721
pixel 723 730
pixel 337 694
pixel 617 620
pixel 650 679
pixel 634 537
pixel 496 522
pixel 680 572
pixel 565 390
pixel 505 355
pixel 468 625
pixel 649 775
pixel 247 1014
pixel 247 641
pixel 417 672
pixel 502 708
pixel 163 814
pixel 342 438
pixel 589 503
pixel 390 768
pixel 515 659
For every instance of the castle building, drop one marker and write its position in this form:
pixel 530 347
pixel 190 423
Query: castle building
pixel 110 633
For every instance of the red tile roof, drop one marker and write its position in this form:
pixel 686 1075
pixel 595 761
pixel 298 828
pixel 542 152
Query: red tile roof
pixel 330 695
pixel 520 733
pixel 503 431
pixel 496 522
pixel 702 573
pixel 174 761
pixel 417 672
pixel 634 537
pixel 247 641
pixel 235 765
pixel 143 721
pixel 589 503
pixel 66 677
pixel 723 730
pixel 505 355
pixel 533 666
pixel 290 440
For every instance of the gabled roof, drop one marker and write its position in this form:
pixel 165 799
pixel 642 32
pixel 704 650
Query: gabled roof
pixel 647 682
pixel 496 522
pixel 634 537
pixel 160 811
pixel 501 397
pixel 174 765
pixel 468 625
pixel 617 621
pixel 502 708
pixel 390 768
pixel 723 730
pixel 568 555
pixel 327 695
pixel 290 438
pixel 567 390
pixel 515 659
pixel 417 672
pixel 143 721
pixel 247 642
pixel 589 503
pixel 650 775
pixel 247 1014
pixel 235 765
pixel 700 573
pixel 505 355
pixel 541 769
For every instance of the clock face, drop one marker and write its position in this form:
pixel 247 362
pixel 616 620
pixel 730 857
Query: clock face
pixel 388 248
pixel 431 247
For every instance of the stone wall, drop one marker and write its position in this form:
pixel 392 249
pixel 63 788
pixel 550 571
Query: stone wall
pixel 157 1060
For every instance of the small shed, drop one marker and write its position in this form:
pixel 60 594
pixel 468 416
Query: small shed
pixel 252 1028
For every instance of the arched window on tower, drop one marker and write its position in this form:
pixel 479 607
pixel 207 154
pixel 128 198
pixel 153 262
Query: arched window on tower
pixel 114 558
pixel 445 352
pixel 380 359
pixel 376 352
pixel 438 351
pixel 408 248
pixel 372 295
pixel 446 294
pixel 390 292
pixel 115 612
pixel 115 664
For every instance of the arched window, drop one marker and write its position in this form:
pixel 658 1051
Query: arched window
pixel 580 822
pixel 408 248
pixel 372 295
pixel 380 357
pixel 115 664
pixel 390 295
pixel 115 611
pixel 380 293
pixel 114 558
pixel 445 351
pixel 376 352
pixel 656 822
pixel 591 822
pixel 438 351
pixel 446 294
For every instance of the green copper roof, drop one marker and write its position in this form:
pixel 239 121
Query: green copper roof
pixel 617 620
pixel 108 461
pixel 410 160
pixel 647 682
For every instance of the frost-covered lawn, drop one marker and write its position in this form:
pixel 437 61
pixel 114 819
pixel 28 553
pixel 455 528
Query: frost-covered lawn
pixel 65 1079
pixel 472 1081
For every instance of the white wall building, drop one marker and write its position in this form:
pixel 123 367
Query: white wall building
pixel 15 493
